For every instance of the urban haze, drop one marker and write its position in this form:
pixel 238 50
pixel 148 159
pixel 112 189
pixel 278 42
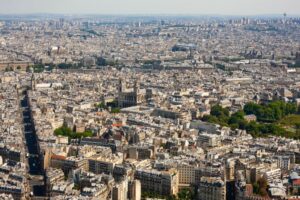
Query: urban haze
pixel 149 100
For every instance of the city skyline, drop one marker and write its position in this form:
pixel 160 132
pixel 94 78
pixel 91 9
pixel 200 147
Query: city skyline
pixel 149 99
pixel 188 7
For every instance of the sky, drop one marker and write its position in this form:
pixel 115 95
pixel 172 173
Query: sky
pixel 148 7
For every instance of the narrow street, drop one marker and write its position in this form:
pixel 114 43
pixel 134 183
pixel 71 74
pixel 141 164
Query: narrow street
pixel 36 171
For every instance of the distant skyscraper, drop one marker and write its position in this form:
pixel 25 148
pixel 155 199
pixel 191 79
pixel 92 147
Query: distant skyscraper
pixel 284 17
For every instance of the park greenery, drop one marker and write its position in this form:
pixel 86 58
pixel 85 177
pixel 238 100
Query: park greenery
pixel 275 118
pixel 112 105
pixel 271 112
pixel 69 66
pixel 115 110
pixel 67 132
pixel 260 187
pixel 38 68
pixel 232 59
pixel 9 69
pixel 220 66
pixel 101 105
pixel 184 194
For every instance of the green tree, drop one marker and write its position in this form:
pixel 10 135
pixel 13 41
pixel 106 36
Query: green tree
pixel 101 105
pixel 67 132
pixel 185 194
pixel 253 127
pixel 218 111
pixel 255 188
pixel 269 118
pixel 263 185
pixel 63 131
pixel 260 187
pixel 271 112
pixel 101 61
pixel 211 119
pixel 297 125
pixel 251 108
pixel 115 110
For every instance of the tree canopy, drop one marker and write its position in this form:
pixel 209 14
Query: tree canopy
pixel 270 112
pixel 268 118
pixel 260 187
pixel 67 132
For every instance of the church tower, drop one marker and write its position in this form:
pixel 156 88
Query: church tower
pixel 121 85
pixel 136 87
pixel 33 82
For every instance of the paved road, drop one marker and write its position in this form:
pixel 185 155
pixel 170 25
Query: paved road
pixel 34 161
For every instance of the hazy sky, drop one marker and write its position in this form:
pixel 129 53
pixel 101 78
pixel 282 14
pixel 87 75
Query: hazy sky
pixel 227 7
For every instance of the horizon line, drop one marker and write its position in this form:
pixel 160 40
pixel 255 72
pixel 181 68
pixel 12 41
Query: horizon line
pixel 152 14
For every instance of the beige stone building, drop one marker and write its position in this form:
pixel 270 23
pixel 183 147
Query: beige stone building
pixel 211 188
pixel 128 97
pixel 160 182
